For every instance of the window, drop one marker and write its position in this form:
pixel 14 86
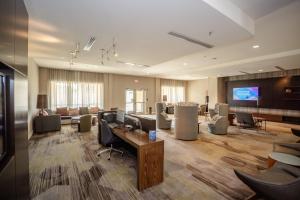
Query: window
pixel 135 101
pixel 174 94
pixel 76 94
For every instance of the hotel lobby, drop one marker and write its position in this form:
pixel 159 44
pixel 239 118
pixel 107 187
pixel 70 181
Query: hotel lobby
pixel 150 99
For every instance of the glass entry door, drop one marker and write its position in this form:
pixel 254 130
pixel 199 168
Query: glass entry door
pixel 136 101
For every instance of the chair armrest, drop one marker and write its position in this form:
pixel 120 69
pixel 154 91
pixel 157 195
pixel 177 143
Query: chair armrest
pixel 290 148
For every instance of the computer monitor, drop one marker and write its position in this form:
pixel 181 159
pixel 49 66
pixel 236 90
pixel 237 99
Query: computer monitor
pixel 120 116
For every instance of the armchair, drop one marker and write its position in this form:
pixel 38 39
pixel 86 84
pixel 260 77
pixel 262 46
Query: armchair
pixel 85 123
pixel 162 120
pixel 289 148
pixel 220 109
pixel 279 182
pixel 186 121
pixel 218 125
pixel 202 109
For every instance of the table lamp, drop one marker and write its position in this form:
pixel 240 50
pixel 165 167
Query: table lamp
pixel 42 103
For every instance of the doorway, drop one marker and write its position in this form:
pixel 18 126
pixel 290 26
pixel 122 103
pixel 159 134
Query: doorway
pixel 135 101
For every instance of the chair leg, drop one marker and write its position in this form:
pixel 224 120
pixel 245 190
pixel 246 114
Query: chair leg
pixel 103 151
pixel 110 150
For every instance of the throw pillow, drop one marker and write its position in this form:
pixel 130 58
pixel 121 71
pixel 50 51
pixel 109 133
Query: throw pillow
pixel 73 111
pixel 62 111
pixel 94 110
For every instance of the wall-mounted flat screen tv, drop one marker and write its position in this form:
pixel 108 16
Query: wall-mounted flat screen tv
pixel 245 94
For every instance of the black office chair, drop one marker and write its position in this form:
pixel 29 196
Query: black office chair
pixel 246 120
pixel 108 139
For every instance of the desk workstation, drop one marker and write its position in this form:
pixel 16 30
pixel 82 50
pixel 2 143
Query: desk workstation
pixel 150 154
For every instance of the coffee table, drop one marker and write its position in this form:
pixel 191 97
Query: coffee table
pixel 283 158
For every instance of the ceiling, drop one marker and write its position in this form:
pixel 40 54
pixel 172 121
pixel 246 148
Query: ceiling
pixel 259 8
pixel 141 28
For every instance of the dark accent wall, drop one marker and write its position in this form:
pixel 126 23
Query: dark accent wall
pixel 14 176
pixel 273 92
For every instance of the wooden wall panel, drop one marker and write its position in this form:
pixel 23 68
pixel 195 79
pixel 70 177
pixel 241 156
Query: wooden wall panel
pixel 272 92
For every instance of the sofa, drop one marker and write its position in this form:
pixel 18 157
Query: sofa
pixel 49 123
pixel 66 113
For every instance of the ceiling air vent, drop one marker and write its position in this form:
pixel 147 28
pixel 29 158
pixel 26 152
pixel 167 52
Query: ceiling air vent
pixel 133 64
pixel 244 72
pixel 89 44
pixel 279 68
pixel 184 37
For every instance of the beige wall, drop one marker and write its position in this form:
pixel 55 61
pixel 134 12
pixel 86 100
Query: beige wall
pixel 197 89
pixel 33 90
pixel 115 86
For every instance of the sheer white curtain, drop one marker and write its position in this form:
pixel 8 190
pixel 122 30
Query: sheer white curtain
pixel 174 90
pixel 73 88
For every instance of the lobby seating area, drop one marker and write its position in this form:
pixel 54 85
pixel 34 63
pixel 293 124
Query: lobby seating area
pixel 150 100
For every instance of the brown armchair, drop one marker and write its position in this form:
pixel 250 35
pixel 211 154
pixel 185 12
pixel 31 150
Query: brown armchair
pixel 85 123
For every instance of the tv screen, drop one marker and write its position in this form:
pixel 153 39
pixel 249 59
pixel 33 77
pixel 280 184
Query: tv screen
pixel 245 94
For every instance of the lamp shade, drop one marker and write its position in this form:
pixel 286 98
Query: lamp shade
pixel 165 98
pixel 42 101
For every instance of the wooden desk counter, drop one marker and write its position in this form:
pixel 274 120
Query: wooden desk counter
pixel 150 157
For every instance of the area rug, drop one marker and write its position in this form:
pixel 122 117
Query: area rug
pixel 64 165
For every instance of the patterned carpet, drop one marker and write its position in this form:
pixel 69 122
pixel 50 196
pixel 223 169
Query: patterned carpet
pixel 64 165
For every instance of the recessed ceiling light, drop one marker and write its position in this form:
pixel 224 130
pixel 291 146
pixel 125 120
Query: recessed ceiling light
pixel 185 64
pixel 255 46
pixel 131 64
pixel 260 70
